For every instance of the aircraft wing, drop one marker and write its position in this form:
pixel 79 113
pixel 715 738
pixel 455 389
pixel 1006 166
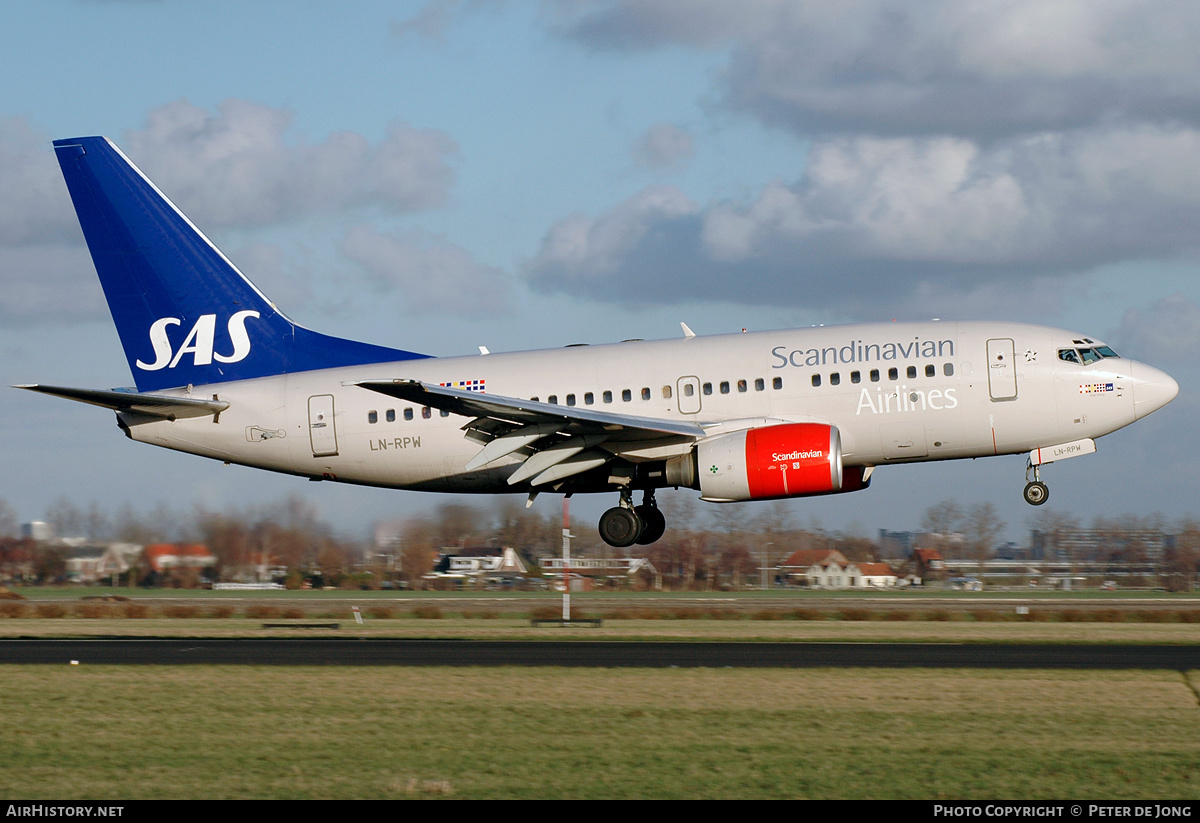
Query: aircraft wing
pixel 158 406
pixel 555 442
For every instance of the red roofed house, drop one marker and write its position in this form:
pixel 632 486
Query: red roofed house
pixel 796 568
pixel 169 559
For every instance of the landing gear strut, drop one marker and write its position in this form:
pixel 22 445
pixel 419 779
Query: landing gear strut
pixel 653 522
pixel 1036 492
pixel 624 524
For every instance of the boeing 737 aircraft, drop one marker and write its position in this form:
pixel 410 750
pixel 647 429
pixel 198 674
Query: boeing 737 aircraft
pixel 221 372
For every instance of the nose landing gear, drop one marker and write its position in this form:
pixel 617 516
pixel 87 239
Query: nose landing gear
pixel 626 524
pixel 1036 492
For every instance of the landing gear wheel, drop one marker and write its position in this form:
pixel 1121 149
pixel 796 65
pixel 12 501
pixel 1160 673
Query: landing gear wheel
pixel 620 527
pixel 1036 493
pixel 653 524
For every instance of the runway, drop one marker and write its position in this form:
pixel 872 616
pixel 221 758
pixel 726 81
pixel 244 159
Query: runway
pixel 582 653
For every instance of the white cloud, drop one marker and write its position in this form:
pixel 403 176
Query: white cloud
pixel 883 216
pixel 663 146
pixel 237 167
pixel 937 67
pixel 1167 332
pixel 35 206
pixel 232 168
pixel 426 273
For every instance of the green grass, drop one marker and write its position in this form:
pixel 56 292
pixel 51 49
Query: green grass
pixel 107 732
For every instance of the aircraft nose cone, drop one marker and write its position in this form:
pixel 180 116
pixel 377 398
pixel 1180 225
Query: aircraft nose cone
pixel 1152 389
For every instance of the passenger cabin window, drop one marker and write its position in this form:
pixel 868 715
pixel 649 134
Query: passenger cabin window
pixel 948 369
pixel 626 395
pixel 589 398
pixel 912 372
pixel 874 375
pixel 893 374
pixel 855 377
pixel 552 399
pixel 835 379
pixel 816 380
pixel 426 412
pixel 930 370
pixel 707 388
pixel 408 414
pixel 570 400
pixel 372 417
pixel 645 392
pixel 724 387
pixel 666 392
pixel 759 384
pixel 607 397
pixel 777 383
pixel 688 390
pixel 742 385
pixel 391 415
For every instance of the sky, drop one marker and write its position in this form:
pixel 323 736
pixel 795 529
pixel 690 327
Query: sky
pixel 437 176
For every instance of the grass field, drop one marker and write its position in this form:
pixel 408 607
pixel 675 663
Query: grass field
pixel 241 732
pixel 106 732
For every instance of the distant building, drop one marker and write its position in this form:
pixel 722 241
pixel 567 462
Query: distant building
pixel 583 570
pixel 1133 545
pixel 852 576
pixel 96 563
pixel 38 530
pixel 896 544
pixel 929 564
pixel 479 563
pixel 796 568
pixel 163 557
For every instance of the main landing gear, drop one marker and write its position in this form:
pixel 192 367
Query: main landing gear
pixel 626 524
pixel 1036 492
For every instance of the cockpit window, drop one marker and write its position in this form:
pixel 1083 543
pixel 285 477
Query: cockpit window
pixel 1086 356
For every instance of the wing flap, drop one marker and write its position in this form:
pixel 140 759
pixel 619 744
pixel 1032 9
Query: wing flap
pixel 553 443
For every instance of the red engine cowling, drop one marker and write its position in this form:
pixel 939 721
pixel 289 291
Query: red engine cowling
pixel 790 460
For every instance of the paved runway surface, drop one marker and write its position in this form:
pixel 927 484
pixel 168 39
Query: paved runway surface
pixel 338 652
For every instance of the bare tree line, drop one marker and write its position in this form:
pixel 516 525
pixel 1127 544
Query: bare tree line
pixel 714 546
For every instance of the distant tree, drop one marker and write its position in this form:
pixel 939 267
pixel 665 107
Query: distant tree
pixel 1182 559
pixel 457 524
pixel 945 517
pixel 65 518
pixel 418 551
pixel 981 528
pixel 736 564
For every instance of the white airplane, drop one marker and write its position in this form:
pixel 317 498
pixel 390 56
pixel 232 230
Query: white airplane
pixel 222 373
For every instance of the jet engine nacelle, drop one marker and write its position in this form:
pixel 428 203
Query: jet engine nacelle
pixel 789 460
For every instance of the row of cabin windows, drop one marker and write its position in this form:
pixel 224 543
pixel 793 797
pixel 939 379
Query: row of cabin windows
pixel 589 398
pixel 835 378
pixel 667 392
pixel 390 414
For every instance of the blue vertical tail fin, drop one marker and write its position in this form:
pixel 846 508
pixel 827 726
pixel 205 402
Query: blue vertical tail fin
pixel 184 313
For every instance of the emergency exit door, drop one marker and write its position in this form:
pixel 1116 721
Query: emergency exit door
pixel 321 431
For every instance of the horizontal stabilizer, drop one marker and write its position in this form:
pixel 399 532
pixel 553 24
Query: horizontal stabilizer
pixel 151 405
